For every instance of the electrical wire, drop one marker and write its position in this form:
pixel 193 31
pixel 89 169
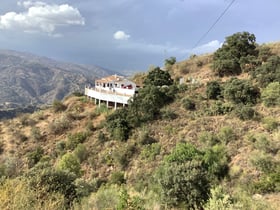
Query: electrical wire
pixel 213 25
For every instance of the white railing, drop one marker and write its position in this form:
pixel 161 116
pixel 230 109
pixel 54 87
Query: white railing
pixel 107 95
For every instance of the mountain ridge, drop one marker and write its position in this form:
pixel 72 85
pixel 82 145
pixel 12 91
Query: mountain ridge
pixel 26 78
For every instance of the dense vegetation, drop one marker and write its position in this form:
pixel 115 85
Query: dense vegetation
pixel 212 142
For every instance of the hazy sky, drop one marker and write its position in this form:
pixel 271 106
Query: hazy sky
pixel 131 34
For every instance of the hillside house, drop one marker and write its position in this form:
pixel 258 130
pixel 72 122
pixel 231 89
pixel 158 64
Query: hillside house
pixel 114 90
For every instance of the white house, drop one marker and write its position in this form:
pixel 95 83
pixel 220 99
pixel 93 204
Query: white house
pixel 115 90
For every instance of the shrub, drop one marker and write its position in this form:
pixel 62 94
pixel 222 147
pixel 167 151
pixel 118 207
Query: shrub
pixel 183 152
pixel 26 120
pixel 184 184
pixel 36 134
pixel 226 134
pixel 117 177
pixel 17 194
pixel 168 114
pixel 60 147
pixel 241 91
pixel 74 139
pixel 245 113
pixel 58 106
pixel 59 125
pixel 70 163
pixel 208 138
pixel 268 72
pixel 188 104
pixel 150 152
pixel 81 152
pixel 35 156
pixel 270 123
pixel 123 155
pixel 216 161
pixel 118 125
pixel 219 200
pixel 49 181
pixel 213 90
pixel 83 188
pixel 271 94
pixel 101 137
pixel 219 108
pixel 143 137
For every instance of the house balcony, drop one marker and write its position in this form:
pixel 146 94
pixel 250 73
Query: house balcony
pixel 116 96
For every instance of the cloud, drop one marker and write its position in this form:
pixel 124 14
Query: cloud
pixel 41 17
pixel 208 47
pixel 121 35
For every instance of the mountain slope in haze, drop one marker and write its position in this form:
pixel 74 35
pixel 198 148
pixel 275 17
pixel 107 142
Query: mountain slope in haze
pixel 30 79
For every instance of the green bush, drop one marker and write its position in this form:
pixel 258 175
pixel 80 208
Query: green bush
pixel 101 137
pixel 74 139
pixel 241 91
pixel 188 104
pixel 168 114
pixel 184 152
pixel 35 156
pixel 81 152
pixel 271 94
pixel 70 164
pixel 117 177
pixel 220 200
pixel 118 125
pixel 268 72
pixel 245 113
pixel 150 151
pixel 83 188
pixel 213 90
pixel 216 161
pixel 49 181
pixel 144 138
pixel 218 108
pixel 184 184
pixel 270 123
pixel 226 135
pixel 208 138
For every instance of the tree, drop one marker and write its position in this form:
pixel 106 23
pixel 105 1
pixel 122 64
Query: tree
pixel 226 60
pixel 158 77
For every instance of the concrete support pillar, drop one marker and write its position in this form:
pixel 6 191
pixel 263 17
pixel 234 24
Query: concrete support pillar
pixel 99 102
pixel 95 101
pixel 115 105
pixel 107 103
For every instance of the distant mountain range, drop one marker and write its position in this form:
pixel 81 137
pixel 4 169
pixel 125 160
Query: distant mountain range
pixel 29 79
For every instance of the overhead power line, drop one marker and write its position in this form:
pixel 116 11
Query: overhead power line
pixel 213 25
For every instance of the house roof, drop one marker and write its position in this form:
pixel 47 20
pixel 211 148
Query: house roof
pixel 112 78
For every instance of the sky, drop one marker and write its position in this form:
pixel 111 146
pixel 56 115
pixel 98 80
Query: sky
pixel 131 35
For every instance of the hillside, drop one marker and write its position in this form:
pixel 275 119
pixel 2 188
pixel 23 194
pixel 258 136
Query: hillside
pixel 29 79
pixel 195 147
